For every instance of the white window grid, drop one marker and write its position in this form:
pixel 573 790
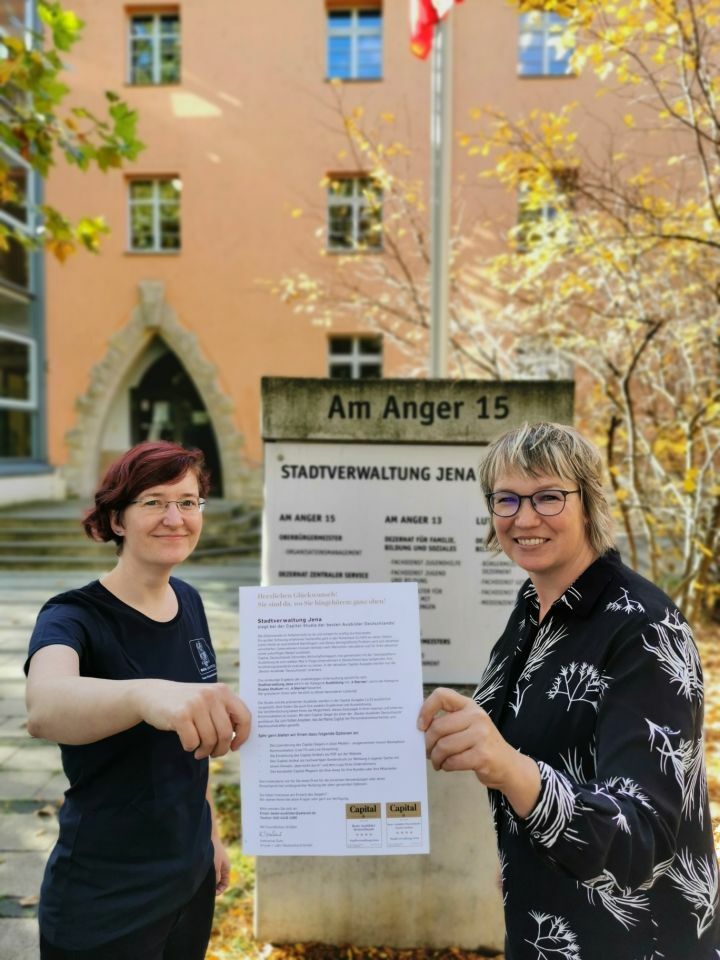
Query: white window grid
pixel 358 202
pixel 26 226
pixel 544 212
pixel 543 30
pixel 355 30
pixel 355 359
pixel 542 216
pixel 156 37
pixel 30 403
pixel 155 202
pixel 26 25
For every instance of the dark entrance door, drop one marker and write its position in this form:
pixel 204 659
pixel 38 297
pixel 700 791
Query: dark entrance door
pixel 165 405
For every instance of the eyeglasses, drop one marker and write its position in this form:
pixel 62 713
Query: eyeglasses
pixel 158 505
pixel 548 503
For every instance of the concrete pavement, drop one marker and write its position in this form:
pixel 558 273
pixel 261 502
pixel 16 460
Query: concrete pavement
pixel 31 778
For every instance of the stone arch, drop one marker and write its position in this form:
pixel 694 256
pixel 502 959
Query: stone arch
pixel 152 317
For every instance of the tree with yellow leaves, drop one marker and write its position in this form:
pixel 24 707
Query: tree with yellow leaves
pixel 622 278
pixel 611 271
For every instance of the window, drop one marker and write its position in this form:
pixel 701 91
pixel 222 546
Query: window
pixel 355 358
pixel 17 362
pixel 354 44
pixel 538 359
pixel 155 215
pixel 354 214
pixel 539 217
pixel 15 263
pixel 17 211
pixel 154 48
pixel 18 377
pixel 16 19
pixel 21 307
pixel 541 51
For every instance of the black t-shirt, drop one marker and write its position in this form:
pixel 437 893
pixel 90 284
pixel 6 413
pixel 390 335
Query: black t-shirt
pixel 617 859
pixel 134 840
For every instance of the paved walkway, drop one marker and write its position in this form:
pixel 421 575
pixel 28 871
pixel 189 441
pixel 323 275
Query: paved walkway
pixel 31 777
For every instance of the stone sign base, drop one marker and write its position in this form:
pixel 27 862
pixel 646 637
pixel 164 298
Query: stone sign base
pixel 449 898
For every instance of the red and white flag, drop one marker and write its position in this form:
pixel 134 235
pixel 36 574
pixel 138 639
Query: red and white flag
pixel 424 14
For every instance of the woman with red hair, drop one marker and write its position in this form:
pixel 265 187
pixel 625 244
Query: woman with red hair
pixel 121 673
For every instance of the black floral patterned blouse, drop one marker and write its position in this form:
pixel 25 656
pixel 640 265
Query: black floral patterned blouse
pixel 616 861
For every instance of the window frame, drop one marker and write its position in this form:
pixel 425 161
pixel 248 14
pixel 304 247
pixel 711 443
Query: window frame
pixel 29 225
pixel 26 27
pixel 31 403
pixel 549 24
pixel 356 359
pixel 358 203
pixel 30 292
pixel 155 202
pixel 565 179
pixel 354 32
pixel 156 42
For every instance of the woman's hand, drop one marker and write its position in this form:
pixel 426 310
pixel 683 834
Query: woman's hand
pixel 63 706
pixel 459 735
pixel 207 717
pixel 222 866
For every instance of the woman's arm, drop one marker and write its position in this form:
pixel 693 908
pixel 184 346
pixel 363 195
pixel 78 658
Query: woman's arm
pixel 623 819
pixel 67 708
pixel 222 860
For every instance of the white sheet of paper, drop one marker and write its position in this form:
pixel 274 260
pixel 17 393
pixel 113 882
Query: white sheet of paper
pixel 335 764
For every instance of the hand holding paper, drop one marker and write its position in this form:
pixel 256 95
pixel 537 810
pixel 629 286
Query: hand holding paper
pixel 459 735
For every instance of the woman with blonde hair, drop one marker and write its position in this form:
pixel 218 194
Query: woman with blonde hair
pixel 586 727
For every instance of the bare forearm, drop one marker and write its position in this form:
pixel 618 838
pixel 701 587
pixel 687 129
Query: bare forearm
pixel 208 718
pixel 213 813
pixel 78 710
pixel 221 857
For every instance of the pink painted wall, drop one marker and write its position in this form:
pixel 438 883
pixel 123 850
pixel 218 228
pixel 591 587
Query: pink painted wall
pixel 251 130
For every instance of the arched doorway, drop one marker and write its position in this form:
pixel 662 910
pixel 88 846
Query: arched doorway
pixel 165 405
pixel 102 430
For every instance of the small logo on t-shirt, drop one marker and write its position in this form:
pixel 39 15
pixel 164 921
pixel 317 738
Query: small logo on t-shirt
pixel 204 660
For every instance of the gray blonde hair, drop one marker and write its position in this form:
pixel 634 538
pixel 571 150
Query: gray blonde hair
pixel 555 450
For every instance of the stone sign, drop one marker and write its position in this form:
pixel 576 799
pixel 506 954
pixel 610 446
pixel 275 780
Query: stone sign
pixel 377 480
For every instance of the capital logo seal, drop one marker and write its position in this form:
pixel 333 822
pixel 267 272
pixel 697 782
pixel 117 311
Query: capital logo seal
pixel 204 659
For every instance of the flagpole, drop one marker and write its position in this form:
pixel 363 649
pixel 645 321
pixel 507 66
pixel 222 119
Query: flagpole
pixel 441 154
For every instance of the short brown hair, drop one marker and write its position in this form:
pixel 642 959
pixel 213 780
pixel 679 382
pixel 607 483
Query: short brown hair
pixel 143 466
pixel 553 449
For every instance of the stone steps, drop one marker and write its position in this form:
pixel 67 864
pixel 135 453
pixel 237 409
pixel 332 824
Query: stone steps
pixel 71 530
pixel 48 536
pixel 74 546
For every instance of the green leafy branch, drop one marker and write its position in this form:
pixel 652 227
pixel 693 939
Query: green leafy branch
pixel 35 127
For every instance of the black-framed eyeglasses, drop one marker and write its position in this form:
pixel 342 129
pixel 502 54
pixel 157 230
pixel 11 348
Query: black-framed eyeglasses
pixel 159 505
pixel 548 503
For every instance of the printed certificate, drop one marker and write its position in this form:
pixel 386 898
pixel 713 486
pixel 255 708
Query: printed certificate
pixel 335 764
